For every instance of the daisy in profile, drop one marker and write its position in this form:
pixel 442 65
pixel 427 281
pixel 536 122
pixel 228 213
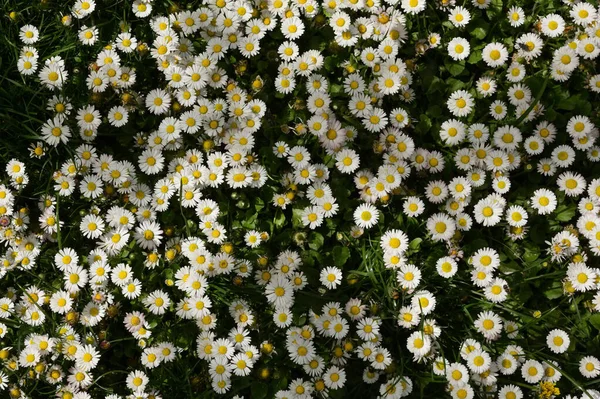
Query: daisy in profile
pixel 366 216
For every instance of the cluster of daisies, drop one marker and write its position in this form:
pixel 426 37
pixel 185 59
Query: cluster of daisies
pixel 206 139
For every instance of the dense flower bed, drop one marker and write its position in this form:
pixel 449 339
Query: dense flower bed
pixel 294 199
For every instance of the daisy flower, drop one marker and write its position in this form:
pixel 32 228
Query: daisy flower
pixel 29 34
pixel 495 54
pixel 532 371
pixel 413 6
pixel 589 367
pixel 312 217
pixel 459 48
pixel 441 227
pixel 347 160
pixel 459 16
pixel 552 25
pixel 158 101
pixel 413 206
pixel 54 131
pixel 563 156
pixel 558 341
pixel 516 16
pixel 572 184
pixel 488 212
pixel 543 201
pixel 583 13
pixel 460 103
pixel 331 277
pixel 366 216
pixel 446 267
pixel 489 324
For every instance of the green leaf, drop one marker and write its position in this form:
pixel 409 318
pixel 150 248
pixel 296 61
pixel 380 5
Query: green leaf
pixel 259 390
pixel 531 256
pixel 279 219
pixel 454 67
pixel 474 57
pixel 479 28
pixel 416 243
pixel 340 255
pixel 595 321
pixel 315 240
pixel 566 215
pixel 424 124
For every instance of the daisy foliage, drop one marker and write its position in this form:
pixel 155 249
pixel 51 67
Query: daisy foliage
pixel 299 199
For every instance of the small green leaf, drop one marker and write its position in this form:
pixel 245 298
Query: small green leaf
pixel 279 219
pixel 315 240
pixel 340 255
pixel 416 243
pixel 455 67
pixel 566 215
pixel 259 390
pixel 595 321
